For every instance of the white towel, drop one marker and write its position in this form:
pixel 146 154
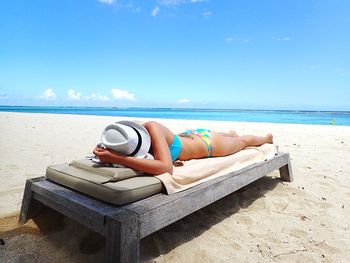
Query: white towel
pixel 197 171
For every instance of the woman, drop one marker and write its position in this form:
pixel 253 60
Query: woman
pixel 192 144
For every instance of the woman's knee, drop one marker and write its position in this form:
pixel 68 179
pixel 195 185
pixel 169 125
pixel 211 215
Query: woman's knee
pixel 244 141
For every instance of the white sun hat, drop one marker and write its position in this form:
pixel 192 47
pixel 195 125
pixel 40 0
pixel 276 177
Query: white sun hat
pixel 127 138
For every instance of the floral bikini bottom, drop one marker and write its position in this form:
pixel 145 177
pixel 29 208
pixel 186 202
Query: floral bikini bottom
pixel 204 134
pixel 175 147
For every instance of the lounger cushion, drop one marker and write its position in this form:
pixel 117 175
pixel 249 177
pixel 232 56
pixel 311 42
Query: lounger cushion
pixel 113 185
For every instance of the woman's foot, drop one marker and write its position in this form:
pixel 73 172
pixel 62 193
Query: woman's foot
pixel 269 138
pixel 233 133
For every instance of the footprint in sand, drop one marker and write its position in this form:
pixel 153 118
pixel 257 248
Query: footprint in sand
pixel 308 203
pixel 11 166
pixel 259 204
pixel 324 184
pixel 325 205
pixel 298 233
pixel 235 246
pixel 244 220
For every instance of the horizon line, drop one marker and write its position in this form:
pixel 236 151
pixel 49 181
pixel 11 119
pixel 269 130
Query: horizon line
pixel 175 108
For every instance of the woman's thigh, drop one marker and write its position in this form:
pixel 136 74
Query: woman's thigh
pixel 224 145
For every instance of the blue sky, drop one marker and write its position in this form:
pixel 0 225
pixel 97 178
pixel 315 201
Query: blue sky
pixel 290 54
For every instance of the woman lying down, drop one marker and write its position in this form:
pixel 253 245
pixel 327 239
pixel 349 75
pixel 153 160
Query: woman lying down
pixel 128 143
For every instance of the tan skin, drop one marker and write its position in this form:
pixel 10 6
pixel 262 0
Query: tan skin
pixel 193 147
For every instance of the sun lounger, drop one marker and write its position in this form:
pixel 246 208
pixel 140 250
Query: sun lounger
pixel 124 226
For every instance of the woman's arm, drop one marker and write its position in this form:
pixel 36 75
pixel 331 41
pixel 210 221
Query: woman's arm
pixel 148 166
pixel 162 162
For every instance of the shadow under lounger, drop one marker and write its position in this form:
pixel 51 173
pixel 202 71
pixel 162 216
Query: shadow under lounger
pixel 124 226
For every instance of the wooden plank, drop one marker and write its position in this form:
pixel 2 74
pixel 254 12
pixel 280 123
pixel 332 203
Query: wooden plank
pixel 161 216
pixel 123 237
pixel 151 203
pixel 29 207
pixel 286 171
pixel 159 212
pixel 85 210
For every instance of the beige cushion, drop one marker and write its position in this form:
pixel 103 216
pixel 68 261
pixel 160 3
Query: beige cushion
pixel 114 185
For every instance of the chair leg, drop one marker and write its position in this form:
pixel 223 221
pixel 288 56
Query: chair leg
pixel 286 172
pixel 30 207
pixel 122 237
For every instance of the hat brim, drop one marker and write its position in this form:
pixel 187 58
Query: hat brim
pixel 145 137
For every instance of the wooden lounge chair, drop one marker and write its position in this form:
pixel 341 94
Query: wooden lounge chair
pixel 124 226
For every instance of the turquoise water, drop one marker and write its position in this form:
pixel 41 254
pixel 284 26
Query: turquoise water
pixel 275 116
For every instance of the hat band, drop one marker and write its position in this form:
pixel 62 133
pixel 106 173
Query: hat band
pixel 139 142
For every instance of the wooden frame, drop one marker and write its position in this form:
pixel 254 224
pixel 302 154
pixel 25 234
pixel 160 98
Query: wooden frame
pixel 124 226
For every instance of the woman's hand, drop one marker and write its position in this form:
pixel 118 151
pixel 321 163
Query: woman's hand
pixel 105 155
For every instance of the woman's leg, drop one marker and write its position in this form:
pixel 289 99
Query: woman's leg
pixel 224 145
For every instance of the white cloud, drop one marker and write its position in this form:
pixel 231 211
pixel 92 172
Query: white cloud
pixel 108 2
pixel 170 2
pixel 178 2
pixel 120 94
pixel 285 39
pixel 183 101
pixel 237 40
pixel 96 97
pixel 330 68
pixel 155 11
pixel 48 94
pixel 207 14
pixel 73 95
pixel 314 66
pixel 336 68
pixel 129 6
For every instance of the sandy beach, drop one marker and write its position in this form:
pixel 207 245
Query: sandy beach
pixel 267 221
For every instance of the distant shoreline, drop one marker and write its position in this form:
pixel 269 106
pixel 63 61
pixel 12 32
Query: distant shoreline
pixel 169 108
pixel 338 118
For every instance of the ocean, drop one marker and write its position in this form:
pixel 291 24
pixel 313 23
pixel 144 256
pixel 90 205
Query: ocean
pixel 339 118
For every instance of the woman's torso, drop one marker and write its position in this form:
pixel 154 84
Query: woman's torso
pixel 193 147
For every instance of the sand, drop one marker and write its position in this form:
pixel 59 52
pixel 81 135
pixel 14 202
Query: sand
pixel 267 221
